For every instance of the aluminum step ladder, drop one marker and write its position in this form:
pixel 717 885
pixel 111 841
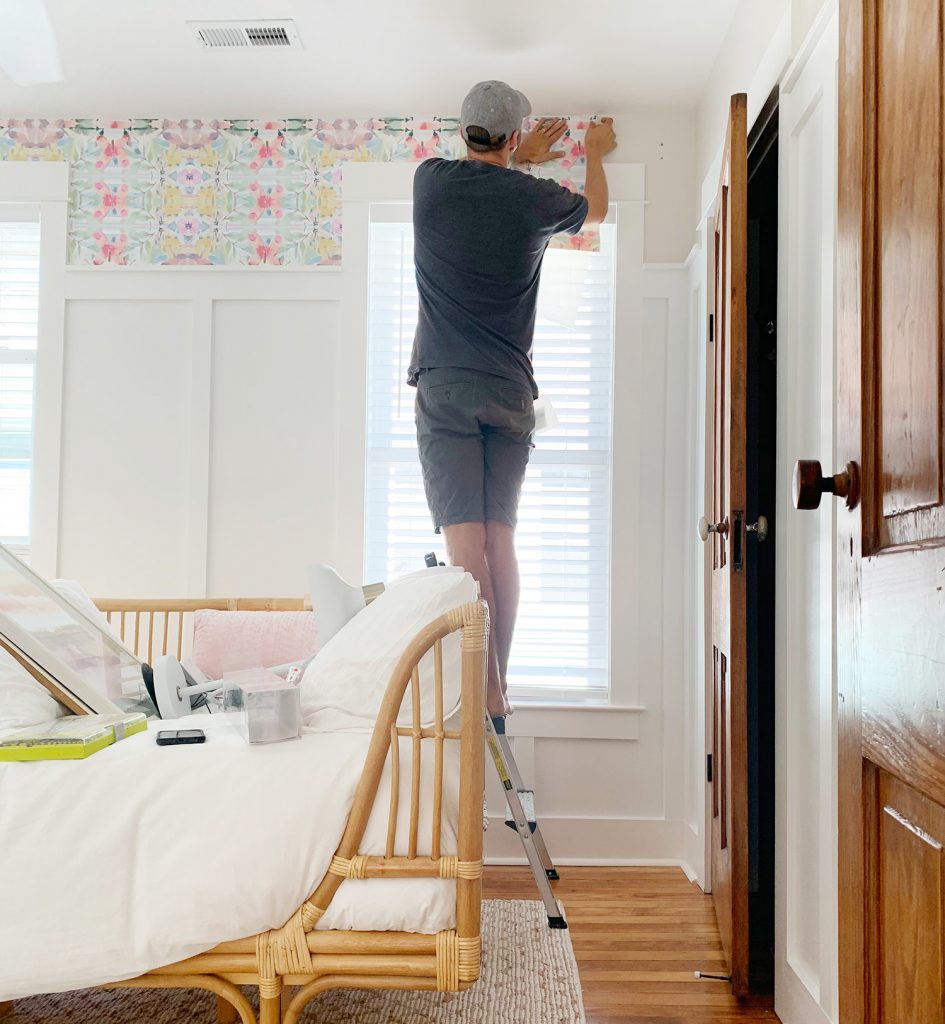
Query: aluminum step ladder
pixel 521 805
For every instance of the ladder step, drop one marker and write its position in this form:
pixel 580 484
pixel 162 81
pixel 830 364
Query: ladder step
pixel 527 798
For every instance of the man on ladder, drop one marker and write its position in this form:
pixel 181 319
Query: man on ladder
pixel 481 227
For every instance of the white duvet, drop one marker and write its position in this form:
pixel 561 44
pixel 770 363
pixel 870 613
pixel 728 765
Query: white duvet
pixel 142 855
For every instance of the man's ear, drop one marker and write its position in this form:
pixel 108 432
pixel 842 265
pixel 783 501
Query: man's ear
pixel 516 140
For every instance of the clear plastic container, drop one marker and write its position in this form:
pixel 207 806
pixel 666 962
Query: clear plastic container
pixel 269 708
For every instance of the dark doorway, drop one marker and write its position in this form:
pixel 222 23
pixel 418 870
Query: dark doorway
pixel 761 430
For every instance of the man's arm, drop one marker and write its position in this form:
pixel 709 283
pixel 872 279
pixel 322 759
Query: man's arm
pixel 598 142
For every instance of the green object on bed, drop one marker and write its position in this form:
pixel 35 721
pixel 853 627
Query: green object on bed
pixel 68 739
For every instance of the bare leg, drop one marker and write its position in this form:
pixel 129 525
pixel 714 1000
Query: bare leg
pixel 466 546
pixel 503 568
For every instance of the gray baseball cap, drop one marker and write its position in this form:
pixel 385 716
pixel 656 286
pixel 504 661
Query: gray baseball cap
pixel 496 109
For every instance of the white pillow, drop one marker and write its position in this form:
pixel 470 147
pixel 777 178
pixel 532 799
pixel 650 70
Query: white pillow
pixel 75 594
pixel 23 701
pixel 343 687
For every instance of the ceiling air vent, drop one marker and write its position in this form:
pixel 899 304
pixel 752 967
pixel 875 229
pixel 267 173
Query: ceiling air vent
pixel 242 35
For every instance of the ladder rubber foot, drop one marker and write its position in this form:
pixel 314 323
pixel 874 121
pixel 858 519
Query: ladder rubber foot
pixel 552 874
pixel 557 922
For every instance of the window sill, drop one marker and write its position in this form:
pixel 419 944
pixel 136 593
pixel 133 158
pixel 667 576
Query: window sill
pixel 570 721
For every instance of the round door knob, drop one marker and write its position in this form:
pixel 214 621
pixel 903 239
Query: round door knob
pixel 760 528
pixel 810 483
pixel 705 528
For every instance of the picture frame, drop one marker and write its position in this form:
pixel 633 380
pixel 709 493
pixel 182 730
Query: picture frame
pixel 78 661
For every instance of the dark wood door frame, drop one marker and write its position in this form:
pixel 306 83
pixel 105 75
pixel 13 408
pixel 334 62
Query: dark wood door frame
pixel 727 662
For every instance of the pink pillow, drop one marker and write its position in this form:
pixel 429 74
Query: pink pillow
pixel 229 641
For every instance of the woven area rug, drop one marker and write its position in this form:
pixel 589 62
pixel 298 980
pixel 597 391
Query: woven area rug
pixel 529 976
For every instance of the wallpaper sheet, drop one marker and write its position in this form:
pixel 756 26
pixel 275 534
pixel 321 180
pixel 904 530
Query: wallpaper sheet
pixel 155 192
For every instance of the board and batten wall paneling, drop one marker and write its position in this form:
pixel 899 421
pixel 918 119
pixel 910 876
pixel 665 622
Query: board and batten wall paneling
pixel 255 462
pixel 612 800
pixel 665 487
pixel 806 851
pixel 606 800
pixel 124 472
pixel 273 444
pixel 651 495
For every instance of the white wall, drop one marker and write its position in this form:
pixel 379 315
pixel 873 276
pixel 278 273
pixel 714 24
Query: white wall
pixel 806 851
pixel 754 25
pixel 806 868
pixel 125 438
pixel 803 15
pixel 664 141
pixel 762 38
pixel 198 432
pixel 212 426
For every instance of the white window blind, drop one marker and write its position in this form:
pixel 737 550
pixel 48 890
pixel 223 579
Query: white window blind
pixel 19 317
pixel 560 651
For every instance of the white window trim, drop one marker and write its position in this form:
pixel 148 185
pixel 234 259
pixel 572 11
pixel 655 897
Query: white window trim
pixel 46 185
pixel 371 184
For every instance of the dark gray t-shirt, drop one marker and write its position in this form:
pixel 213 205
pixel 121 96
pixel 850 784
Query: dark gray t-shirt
pixel 480 232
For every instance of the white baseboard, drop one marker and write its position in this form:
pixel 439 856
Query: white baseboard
pixel 591 862
pixel 793 1002
pixel 690 873
pixel 594 841
pixel 694 857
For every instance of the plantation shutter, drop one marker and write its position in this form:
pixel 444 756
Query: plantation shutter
pixel 19 317
pixel 561 642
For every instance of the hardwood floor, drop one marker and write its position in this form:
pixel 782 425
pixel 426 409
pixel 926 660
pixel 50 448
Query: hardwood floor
pixel 638 935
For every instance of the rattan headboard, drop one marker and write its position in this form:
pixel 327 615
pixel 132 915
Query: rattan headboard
pixel 155 626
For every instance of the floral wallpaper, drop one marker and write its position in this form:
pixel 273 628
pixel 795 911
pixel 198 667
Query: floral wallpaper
pixel 156 192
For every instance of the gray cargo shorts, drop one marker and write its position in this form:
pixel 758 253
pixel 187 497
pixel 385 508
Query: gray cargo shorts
pixel 474 431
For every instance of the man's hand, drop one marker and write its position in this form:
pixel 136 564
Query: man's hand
pixel 536 147
pixel 598 142
pixel 600 139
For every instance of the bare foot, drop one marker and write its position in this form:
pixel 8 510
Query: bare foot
pixel 495 702
pixel 507 709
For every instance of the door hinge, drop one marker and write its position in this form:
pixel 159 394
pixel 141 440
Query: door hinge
pixel 711 328
pixel 708 767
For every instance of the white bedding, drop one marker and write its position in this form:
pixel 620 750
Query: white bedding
pixel 142 855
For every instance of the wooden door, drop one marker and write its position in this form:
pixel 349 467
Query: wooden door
pixel 891 536
pixel 727 664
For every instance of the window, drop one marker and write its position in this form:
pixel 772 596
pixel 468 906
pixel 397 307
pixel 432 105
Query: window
pixel 561 645
pixel 19 317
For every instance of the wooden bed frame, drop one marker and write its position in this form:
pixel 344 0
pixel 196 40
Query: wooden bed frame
pixel 295 954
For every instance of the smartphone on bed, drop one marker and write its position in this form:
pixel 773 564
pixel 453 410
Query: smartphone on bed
pixel 171 737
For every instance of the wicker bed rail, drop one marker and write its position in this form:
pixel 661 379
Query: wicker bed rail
pixel 298 955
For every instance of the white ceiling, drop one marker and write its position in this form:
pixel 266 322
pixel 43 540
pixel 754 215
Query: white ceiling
pixel 379 57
